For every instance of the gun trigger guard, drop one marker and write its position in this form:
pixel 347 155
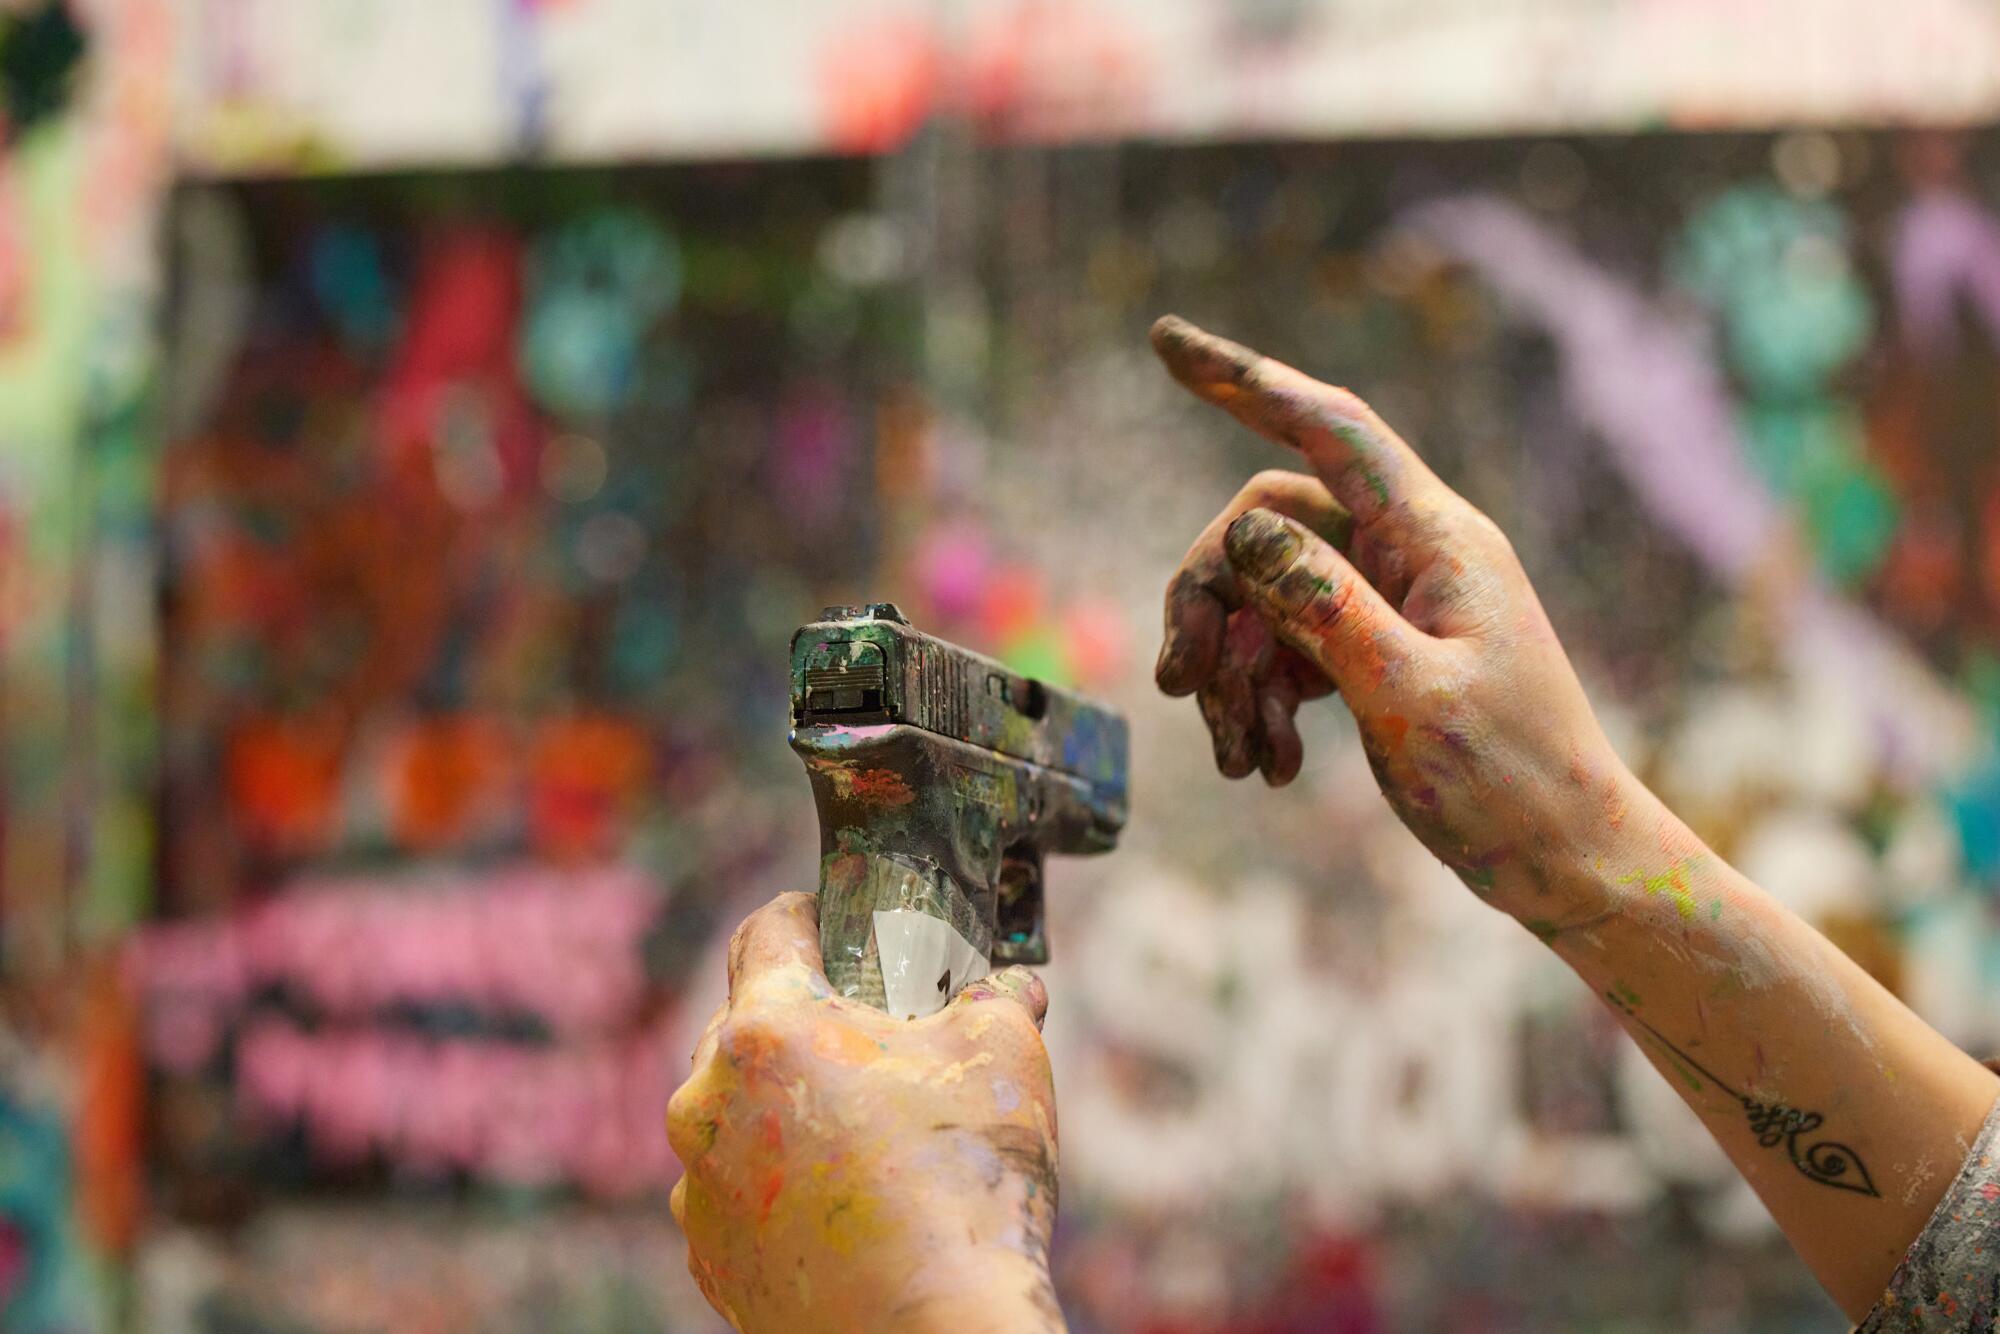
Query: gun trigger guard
pixel 1020 933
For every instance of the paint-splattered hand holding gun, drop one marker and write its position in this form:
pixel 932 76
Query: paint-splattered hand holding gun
pixel 942 779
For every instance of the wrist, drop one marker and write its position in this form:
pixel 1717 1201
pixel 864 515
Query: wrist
pixel 1619 846
pixel 986 1291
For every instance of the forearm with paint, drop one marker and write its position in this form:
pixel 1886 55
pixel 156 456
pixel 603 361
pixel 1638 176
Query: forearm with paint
pixel 1845 1112
pixel 1848 1114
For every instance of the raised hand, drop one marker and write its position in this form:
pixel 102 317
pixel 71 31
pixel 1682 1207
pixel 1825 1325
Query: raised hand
pixel 1826 1092
pixel 1373 577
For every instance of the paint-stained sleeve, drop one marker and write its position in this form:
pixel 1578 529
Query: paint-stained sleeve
pixel 1950 1280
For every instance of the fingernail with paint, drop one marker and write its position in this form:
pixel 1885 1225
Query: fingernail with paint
pixel 1024 987
pixel 1262 545
pixel 1169 330
pixel 1209 365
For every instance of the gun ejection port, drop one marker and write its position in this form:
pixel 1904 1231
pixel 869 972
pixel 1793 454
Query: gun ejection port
pixel 844 690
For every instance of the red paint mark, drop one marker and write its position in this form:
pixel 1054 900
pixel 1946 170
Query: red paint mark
pixel 774 1131
pixel 1990 1191
pixel 1392 729
pixel 846 871
pixel 882 785
pixel 774 1184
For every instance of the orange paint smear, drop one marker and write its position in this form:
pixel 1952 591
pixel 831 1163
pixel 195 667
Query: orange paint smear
pixel 845 1046
pixel 774 1185
pixel 882 785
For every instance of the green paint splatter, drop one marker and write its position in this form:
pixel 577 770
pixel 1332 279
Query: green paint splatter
pixel 1673 882
pixel 1376 484
pixel 1682 1070
pixel 1545 930
pixel 1363 445
pixel 1625 993
pixel 1715 910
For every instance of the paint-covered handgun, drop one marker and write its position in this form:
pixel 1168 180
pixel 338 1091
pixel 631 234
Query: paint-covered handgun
pixel 941 779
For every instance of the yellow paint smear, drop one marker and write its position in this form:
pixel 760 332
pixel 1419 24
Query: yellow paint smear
pixel 955 1073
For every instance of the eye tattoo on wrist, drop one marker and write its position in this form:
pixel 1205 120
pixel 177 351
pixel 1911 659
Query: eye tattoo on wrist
pixel 1826 1161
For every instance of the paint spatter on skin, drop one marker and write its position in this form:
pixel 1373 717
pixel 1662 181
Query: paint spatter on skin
pixel 1544 930
pixel 1006 1094
pixel 1750 961
pixel 1031 1154
pixel 1672 882
pixel 1365 465
pixel 1917 1178
pixel 1715 910
pixel 1624 992
pixel 845 1046
pixel 848 1219
pixel 1614 805
pixel 957 1070
pixel 1692 1080
pixel 767 1196
pixel 1370 478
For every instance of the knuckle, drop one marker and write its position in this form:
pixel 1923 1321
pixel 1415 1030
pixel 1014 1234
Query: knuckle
pixel 1306 592
pixel 1269 485
pixel 1481 528
pixel 1187 581
pixel 752 1037
pixel 690 1128
pixel 1008 1015
pixel 1341 402
pixel 739 939
pixel 1014 1024
pixel 1482 522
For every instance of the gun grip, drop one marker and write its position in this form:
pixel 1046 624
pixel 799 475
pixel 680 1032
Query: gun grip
pixel 1020 933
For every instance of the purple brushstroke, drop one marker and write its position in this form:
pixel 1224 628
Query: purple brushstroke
pixel 1944 245
pixel 1647 383
pixel 1650 386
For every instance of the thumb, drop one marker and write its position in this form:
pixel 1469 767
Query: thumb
pixel 1014 985
pixel 1316 602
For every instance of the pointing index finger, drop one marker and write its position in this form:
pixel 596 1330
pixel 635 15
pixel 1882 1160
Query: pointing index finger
pixel 1366 465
